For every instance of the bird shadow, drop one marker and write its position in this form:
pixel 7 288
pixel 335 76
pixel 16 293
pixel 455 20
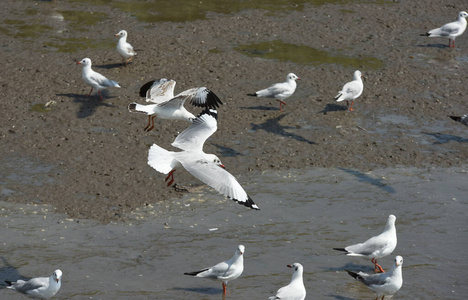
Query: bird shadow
pixel 89 105
pixel 340 297
pixel 273 126
pixel 333 107
pixel 260 107
pixel 442 138
pixel 352 267
pixel 9 272
pixel 226 151
pixel 108 66
pixel 204 290
pixel 441 46
pixel 378 182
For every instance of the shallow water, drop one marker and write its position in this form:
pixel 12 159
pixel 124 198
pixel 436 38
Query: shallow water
pixel 304 214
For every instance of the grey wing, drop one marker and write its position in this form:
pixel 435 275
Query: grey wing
pixel 201 129
pixel 102 80
pixel 276 89
pixel 373 279
pixel 201 97
pixel 158 91
pixel 368 247
pixel 32 284
pixel 450 28
pixel 219 179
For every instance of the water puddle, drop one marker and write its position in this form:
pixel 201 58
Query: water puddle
pixel 304 214
pixel 187 10
pixel 305 55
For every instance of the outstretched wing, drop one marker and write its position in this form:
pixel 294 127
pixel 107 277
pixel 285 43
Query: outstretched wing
pixel 218 178
pixel 200 97
pixel 158 91
pixel 201 129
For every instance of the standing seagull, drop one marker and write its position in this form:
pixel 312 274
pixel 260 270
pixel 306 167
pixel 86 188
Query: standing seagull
pixel 279 91
pixel 377 246
pixel 225 271
pixel 450 30
pixel 125 49
pixel 161 92
pixel 351 90
pixel 39 288
pixel 206 167
pixel 295 290
pixel 94 79
pixel 384 284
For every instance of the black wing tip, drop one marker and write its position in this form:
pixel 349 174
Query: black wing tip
pixel 353 274
pixel 425 34
pixel 144 88
pixel 210 112
pixel 194 273
pixel 340 249
pixel 132 107
pixel 248 203
pixel 212 100
pixel 8 282
pixel 455 118
pixel 253 95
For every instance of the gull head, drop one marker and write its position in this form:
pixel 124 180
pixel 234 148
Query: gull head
pixel 241 249
pixel 292 76
pixel 121 33
pixel 57 275
pixel 357 74
pixel 398 260
pixel 216 160
pixel 462 14
pixel 84 62
pixel 295 266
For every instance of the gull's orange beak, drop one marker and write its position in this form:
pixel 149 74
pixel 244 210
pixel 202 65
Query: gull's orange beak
pixel 116 34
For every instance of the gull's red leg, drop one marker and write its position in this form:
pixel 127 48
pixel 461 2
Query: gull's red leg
pixel 171 176
pixel 100 96
pixel 150 121
pixel 224 288
pixel 90 92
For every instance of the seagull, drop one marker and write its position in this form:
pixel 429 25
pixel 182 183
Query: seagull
pixel 280 91
pixel 463 119
pixel 94 79
pixel 39 288
pixel 225 271
pixel 384 284
pixel 351 90
pixel 206 167
pixel 295 290
pixel 125 49
pixel 450 30
pixel 166 106
pixel 377 246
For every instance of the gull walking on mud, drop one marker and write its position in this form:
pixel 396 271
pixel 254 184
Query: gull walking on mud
pixel 351 90
pixel 124 48
pixel 94 79
pixel 279 91
pixel 450 30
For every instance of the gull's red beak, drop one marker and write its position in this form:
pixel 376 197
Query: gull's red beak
pixel 78 63
pixel 289 266
pixel 116 34
pixel 222 166
pixel 298 78
pixel 58 280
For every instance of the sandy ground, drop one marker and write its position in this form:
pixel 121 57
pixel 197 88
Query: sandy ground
pixel 88 157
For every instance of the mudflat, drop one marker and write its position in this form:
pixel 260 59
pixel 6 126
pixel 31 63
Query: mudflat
pixel 88 157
